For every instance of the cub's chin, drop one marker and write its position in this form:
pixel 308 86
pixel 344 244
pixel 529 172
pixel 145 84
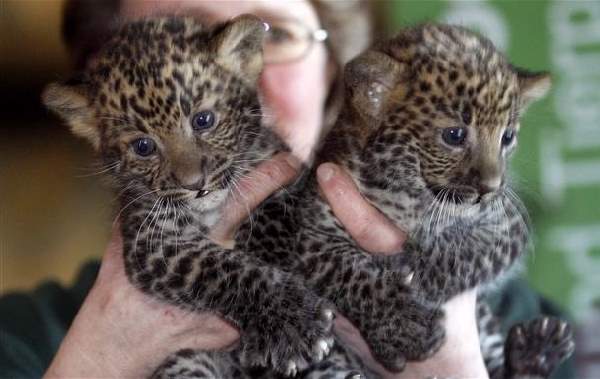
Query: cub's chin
pixel 208 205
pixel 208 201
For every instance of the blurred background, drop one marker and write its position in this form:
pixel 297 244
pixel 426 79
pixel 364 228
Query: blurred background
pixel 55 214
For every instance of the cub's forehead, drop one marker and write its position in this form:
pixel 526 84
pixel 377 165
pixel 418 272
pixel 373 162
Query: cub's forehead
pixel 450 51
pixel 148 46
pixel 454 69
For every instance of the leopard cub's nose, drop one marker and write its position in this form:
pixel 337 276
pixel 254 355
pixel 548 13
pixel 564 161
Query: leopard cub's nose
pixel 489 186
pixel 196 186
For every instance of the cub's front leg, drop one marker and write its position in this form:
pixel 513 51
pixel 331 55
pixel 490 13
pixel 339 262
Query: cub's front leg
pixel 469 252
pixel 282 324
pixel 395 321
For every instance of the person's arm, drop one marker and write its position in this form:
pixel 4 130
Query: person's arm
pixel 460 356
pixel 121 332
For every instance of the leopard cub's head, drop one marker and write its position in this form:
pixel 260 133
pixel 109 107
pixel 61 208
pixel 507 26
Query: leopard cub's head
pixel 172 107
pixel 449 102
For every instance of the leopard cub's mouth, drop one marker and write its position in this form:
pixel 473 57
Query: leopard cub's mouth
pixel 184 194
pixel 456 194
pixel 203 193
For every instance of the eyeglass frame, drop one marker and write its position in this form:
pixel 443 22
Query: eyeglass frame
pixel 314 36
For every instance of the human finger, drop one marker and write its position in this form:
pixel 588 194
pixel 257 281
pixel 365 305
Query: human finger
pixel 368 226
pixel 250 191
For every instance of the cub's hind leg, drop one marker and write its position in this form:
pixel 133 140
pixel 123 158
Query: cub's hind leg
pixel 532 349
pixel 194 364
pixel 536 348
pixel 341 363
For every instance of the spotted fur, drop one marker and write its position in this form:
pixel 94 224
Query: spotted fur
pixel 465 226
pixel 149 82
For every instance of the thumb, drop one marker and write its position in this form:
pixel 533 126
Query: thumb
pixel 250 191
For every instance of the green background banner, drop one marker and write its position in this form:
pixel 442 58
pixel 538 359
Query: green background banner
pixel 557 167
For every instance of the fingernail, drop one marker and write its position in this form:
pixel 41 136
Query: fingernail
pixel 325 172
pixel 293 161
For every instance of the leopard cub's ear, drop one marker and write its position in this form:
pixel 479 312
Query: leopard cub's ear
pixel 238 46
pixel 371 80
pixel 532 86
pixel 70 101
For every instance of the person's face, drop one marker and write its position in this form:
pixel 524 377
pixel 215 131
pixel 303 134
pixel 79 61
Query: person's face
pixel 293 92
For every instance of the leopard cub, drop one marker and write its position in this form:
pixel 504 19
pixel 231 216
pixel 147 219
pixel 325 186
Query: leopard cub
pixel 430 120
pixel 170 106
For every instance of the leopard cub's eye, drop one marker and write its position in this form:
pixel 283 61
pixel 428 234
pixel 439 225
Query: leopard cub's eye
pixel 508 137
pixel 203 120
pixel 454 136
pixel 144 146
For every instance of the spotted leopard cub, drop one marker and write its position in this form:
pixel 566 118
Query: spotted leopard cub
pixel 170 106
pixel 430 120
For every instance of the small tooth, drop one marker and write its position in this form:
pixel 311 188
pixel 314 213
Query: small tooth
pixel 544 326
pixel 408 278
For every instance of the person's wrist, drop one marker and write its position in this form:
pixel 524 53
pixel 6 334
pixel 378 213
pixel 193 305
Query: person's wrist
pixel 97 343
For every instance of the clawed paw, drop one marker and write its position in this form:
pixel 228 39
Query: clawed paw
pixel 413 332
pixel 288 341
pixel 536 348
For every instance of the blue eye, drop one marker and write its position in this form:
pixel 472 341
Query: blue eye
pixel 454 136
pixel 143 146
pixel 203 120
pixel 508 137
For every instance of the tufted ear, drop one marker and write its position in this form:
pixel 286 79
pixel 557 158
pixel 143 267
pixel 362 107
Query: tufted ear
pixel 238 46
pixel 371 79
pixel 532 85
pixel 70 101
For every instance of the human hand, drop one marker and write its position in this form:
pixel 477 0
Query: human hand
pixel 368 227
pixel 460 356
pixel 122 332
pixel 253 189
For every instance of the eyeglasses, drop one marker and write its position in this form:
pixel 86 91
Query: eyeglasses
pixel 289 40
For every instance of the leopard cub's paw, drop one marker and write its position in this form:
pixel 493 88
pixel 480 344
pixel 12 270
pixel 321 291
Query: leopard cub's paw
pixel 412 331
pixel 290 339
pixel 431 336
pixel 537 347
